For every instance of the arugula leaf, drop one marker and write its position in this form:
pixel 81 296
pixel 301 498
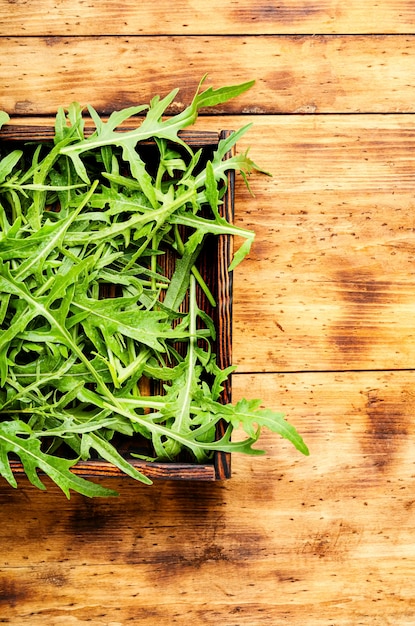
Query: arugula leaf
pixel 8 163
pixel 153 125
pixel 109 453
pixel 247 413
pixel 146 327
pixel 4 118
pixel 15 438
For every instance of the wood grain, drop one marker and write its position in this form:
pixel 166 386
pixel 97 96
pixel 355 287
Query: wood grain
pixel 331 275
pixel 331 73
pixel 323 540
pixel 74 17
pixel 325 298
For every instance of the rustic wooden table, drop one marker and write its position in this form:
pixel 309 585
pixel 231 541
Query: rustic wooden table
pixel 323 322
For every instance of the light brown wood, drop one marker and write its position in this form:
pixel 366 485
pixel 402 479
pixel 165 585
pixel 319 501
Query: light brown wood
pixel 330 74
pixel 323 322
pixel 185 17
pixel 321 540
pixel 331 275
pixel 330 280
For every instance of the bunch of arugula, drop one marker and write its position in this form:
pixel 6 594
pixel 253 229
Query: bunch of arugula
pixel 86 212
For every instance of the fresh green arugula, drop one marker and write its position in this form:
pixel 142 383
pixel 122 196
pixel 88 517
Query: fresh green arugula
pixel 87 214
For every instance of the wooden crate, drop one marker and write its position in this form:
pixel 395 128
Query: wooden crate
pixel 213 266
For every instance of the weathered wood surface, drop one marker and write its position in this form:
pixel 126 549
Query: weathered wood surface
pixel 75 17
pixel 318 541
pixel 323 322
pixel 331 275
pixel 308 74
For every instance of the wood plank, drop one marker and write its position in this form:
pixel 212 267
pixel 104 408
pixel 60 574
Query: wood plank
pixel 331 73
pixel 74 17
pixel 329 284
pixel 327 539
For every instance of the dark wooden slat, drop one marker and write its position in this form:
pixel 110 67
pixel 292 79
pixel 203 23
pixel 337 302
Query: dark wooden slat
pixel 21 131
pixel 154 471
